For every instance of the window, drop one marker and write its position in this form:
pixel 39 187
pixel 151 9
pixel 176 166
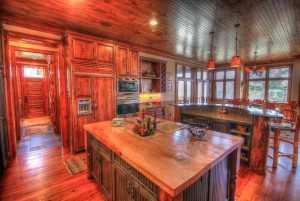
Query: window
pixel 202 86
pixel 192 85
pixel 185 84
pixel 224 84
pixel 33 72
pixel 272 86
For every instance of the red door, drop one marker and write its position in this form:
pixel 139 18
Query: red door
pixel 34 92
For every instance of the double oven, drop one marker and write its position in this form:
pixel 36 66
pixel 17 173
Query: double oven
pixel 128 97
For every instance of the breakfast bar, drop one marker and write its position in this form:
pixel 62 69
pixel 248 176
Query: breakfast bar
pixel 165 166
pixel 250 122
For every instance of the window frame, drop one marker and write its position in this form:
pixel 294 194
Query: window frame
pixel 224 80
pixel 185 80
pixel 194 83
pixel 267 79
pixel 203 81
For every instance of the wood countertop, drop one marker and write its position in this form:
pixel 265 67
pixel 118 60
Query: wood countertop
pixel 170 160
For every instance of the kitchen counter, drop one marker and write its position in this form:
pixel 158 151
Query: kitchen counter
pixel 171 161
pixel 245 119
pixel 251 110
pixel 256 123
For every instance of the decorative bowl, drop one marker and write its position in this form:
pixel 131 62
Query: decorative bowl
pixel 197 131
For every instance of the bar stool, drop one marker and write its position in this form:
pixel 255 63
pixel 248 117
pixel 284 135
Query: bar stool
pixel 286 126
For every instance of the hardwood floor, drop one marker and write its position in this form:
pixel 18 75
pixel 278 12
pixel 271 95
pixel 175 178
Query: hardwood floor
pixel 279 184
pixel 41 175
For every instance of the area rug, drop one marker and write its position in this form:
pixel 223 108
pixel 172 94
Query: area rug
pixel 35 121
pixel 76 165
pixel 34 130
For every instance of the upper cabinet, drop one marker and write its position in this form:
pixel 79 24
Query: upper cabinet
pixel 91 51
pixel 133 64
pixel 105 53
pixel 127 62
pixel 83 49
pixel 122 62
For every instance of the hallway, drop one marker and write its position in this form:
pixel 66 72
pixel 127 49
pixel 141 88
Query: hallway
pixel 37 133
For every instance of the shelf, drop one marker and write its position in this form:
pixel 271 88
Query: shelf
pixel 241 133
pixel 245 148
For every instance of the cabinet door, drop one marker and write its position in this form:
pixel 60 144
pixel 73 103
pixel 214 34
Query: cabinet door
pixel 105 181
pixel 122 62
pixel 82 89
pixel 95 162
pixel 79 138
pixel 105 53
pixel 138 192
pixel 83 49
pixel 104 99
pixel 220 126
pixel 83 86
pixel 121 184
pixel 133 63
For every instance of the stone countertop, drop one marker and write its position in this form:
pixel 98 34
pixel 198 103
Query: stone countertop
pixel 170 160
pixel 226 117
pixel 252 110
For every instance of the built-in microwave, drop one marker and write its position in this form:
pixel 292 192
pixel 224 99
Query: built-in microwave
pixel 128 86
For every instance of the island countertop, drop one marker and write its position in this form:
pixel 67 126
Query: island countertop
pixel 170 160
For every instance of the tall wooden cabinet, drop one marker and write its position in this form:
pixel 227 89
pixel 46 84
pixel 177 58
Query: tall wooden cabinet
pixel 91 84
pixel 93 102
pixel 127 62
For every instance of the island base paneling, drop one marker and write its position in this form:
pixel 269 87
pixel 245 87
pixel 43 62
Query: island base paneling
pixel 119 181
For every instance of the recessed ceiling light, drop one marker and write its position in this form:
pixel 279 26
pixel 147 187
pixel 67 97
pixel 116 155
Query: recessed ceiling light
pixel 153 22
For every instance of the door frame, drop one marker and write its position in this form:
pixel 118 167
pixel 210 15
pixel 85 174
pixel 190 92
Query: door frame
pixel 54 47
pixel 20 85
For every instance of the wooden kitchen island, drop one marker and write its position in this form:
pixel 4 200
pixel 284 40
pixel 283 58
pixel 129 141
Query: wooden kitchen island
pixel 165 167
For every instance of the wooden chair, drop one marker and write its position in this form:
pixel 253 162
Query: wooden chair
pixel 290 123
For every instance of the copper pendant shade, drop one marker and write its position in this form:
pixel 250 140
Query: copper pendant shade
pixel 236 59
pixel 211 62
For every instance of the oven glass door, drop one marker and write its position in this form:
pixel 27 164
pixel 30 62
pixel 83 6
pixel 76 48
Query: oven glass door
pixel 128 86
pixel 128 108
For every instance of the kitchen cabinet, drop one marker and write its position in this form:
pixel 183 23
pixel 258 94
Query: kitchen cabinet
pixel 87 50
pixel 105 53
pixel 128 62
pixel 133 63
pixel 117 180
pixel 83 49
pixel 93 102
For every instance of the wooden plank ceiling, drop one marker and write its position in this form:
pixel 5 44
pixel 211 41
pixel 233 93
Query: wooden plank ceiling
pixel 270 27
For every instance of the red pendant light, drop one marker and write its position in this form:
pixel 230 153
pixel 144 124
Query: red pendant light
pixel 236 59
pixel 211 62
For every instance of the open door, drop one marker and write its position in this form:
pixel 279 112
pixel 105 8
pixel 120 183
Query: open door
pixel 34 91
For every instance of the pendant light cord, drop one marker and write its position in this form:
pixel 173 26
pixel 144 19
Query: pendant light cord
pixel 236 38
pixel 211 45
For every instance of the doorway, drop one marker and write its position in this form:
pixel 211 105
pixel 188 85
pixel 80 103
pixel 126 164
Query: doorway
pixel 34 87
pixel 37 100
